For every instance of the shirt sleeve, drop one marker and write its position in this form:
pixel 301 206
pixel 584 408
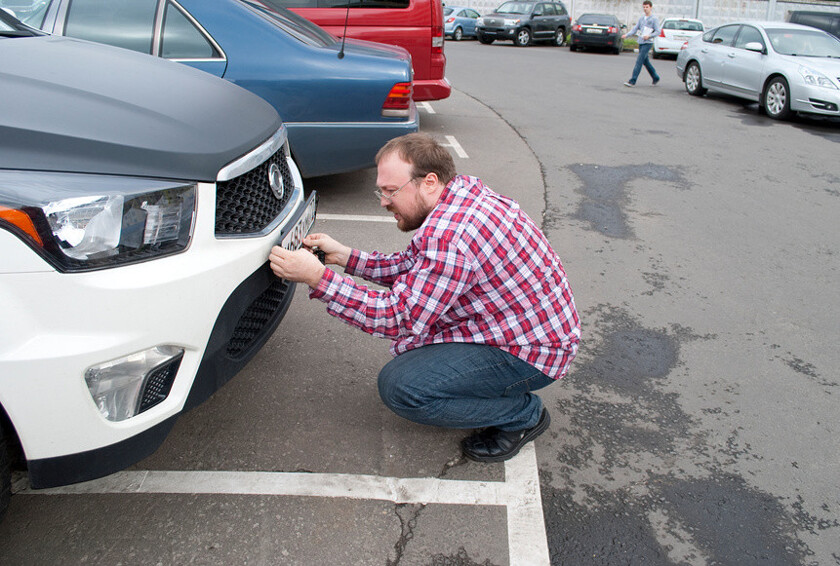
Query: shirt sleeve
pixel 654 24
pixel 379 268
pixel 440 274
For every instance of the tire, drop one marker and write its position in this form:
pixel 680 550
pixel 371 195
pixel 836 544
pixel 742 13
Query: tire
pixel 694 80
pixel 776 99
pixel 573 48
pixel 654 54
pixel 458 34
pixel 560 37
pixel 522 38
pixel 5 471
pixel 484 40
pixel 617 51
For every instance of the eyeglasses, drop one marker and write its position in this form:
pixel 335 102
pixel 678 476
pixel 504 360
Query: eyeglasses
pixel 389 195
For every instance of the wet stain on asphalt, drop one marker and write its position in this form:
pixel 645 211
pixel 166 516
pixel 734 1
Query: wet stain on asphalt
pixel 605 194
pixel 622 424
pixel 459 559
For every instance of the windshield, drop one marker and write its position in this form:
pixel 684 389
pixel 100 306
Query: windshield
pixel 596 19
pixel 30 12
pixel 291 23
pixel 683 25
pixel 10 27
pixel 804 43
pixel 515 8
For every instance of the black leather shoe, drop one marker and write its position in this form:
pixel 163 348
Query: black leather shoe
pixel 495 445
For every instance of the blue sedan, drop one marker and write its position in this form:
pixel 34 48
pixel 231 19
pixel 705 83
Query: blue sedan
pixel 340 102
pixel 459 22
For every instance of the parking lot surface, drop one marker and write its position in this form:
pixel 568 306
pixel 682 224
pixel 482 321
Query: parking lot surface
pixel 697 426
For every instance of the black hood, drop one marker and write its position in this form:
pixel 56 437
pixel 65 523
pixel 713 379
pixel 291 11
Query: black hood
pixel 75 106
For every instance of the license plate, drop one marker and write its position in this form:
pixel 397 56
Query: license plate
pixel 293 239
pixel 682 37
pixel 591 30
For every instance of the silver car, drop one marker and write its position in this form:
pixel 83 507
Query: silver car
pixel 784 67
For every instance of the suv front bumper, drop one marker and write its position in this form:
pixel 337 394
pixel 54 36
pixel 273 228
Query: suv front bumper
pixel 218 301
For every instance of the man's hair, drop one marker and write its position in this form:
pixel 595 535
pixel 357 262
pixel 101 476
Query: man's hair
pixel 423 153
pixel 647 3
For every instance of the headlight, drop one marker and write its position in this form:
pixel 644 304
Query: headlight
pixel 815 78
pixel 85 222
pixel 512 22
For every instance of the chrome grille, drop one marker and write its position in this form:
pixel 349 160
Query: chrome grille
pixel 247 204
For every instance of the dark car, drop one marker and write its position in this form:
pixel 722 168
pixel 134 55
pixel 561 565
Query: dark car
pixel 524 22
pixel 601 31
pixel 340 101
pixel 826 21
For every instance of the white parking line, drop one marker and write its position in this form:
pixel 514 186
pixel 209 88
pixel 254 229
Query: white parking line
pixel 520 493
pixel 356 218
pixel 427 107
pixel 453 143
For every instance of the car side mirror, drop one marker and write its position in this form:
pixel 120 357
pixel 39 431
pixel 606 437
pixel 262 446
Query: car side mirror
pixel 754 46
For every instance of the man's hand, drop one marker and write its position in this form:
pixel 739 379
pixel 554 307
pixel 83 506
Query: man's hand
pixel 300 266
pixel 336 253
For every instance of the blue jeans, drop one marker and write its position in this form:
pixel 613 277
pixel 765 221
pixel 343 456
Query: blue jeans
pixel 643 59
pixel 458 385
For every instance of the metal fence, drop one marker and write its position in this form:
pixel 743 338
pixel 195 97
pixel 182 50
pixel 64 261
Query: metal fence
pixel 711 12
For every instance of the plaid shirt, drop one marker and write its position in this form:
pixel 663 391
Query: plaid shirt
pixel 478 270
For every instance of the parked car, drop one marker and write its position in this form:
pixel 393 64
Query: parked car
pixel 415 25
pixel 340 103
pixel 675 32
pixel 826 21
pixel 524 22
pixel 459 22
pixel 139 200
pixel 602 31
pixel 784 67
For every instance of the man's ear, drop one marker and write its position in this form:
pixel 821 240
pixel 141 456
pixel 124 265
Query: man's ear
pixel 430 181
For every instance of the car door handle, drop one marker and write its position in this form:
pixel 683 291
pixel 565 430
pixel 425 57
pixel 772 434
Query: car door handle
pixel 704 51
pixel 730 55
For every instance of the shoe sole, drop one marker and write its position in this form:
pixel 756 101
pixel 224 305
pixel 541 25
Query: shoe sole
pixel 541 427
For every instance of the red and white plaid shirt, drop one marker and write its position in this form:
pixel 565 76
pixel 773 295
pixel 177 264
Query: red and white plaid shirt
pixel 478 270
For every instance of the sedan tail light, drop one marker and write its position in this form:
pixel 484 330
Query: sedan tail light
pixel 450 19
pixel 398 102
pixel 612 29
pixel 576 27
pixel 662 33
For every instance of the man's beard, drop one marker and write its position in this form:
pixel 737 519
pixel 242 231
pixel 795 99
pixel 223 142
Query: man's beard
pixel 411 223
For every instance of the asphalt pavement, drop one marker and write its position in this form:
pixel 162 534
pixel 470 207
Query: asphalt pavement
pixel 698 425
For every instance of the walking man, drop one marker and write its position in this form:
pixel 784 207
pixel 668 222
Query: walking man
pixel 645 30
pixel 478 308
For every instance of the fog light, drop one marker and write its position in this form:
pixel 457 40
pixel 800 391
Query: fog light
pixel 118 387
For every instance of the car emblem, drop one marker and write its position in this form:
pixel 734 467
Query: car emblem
pixel 275 181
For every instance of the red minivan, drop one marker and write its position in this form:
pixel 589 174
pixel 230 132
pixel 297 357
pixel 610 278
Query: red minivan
pixel 416 25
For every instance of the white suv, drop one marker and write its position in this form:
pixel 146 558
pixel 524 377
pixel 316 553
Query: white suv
pixel 139 200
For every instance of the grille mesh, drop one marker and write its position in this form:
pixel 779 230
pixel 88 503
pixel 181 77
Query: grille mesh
pixel 246 204
pixel 158 385
pixel 258 314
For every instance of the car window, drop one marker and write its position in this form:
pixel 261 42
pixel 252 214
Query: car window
pixel 30 12
pixel 748 34
pixel 515 8
pixel 596 19
pixel 548 10
pixel 182 39
pixel 539 10
pixel 343 3
pixel 123 23
pixel 804 42
pixel 561 9
pixel 472 14
pixel 682 25
pixel 724 34
pixel 446 11
pixel 291 23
